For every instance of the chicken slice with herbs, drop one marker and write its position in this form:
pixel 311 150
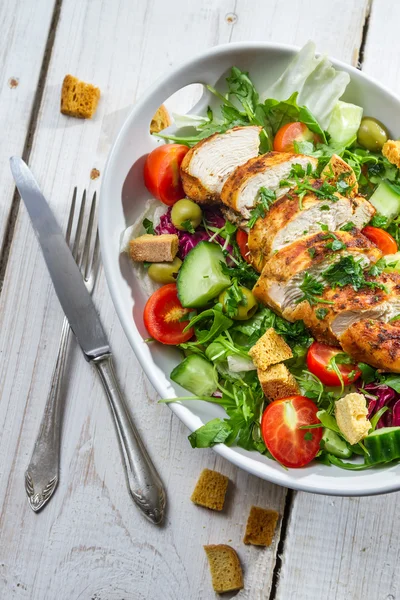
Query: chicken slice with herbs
pixel 294 272
pixel 209 163
pixel 297 215
pixel 241 190
pixel 375 343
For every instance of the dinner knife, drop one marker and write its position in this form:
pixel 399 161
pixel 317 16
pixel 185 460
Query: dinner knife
pixel 143 481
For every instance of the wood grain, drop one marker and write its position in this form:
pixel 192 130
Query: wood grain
pixel 24 26
pixel 90 542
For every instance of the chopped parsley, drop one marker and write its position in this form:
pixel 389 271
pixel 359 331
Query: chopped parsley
pixel 348 226
pixel 233 298
pixel 348 271
pixel 266 197
pixel 335 245
pixel 312 290
pixel 148 225
pixel 311 252
pixel 324 207
pixel 321 313
pixel 308 436
pixel 187 226
pixel 377 268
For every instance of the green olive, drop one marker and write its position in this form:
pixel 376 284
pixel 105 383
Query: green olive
pixel 186 210
pixel 246 308
pixel 372 134
pixel 165 272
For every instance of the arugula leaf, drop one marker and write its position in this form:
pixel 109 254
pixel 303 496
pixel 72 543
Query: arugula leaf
pixel 214 323
pixel 241 87
pixel 187 226
pixel 392 381
pixel 280 113
pixel 266 197
pixel 148 225
pixel 213 432
pixel 328 421
pixel 233 298
pixel 368 373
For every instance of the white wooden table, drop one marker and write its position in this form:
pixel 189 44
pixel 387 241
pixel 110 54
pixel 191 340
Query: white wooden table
pixel 90 543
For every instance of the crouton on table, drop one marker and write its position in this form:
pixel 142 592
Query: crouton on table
pixel 351 416
pixel 78 99
pixel 210 490
pixel 277 382
pixel 226 571
pixel 269 350
pixel 260 527
pixel 391 150
pixel 154 248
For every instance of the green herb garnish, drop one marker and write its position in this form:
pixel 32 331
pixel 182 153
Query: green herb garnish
pixel 148 225
pixel 266 197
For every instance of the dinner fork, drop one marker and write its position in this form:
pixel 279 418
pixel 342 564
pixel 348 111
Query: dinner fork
pixel 42 474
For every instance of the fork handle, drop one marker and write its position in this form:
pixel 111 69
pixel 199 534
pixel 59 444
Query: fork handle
pixel 143 481
pixel 41 476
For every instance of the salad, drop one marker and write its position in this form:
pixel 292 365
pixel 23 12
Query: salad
pixel 270 252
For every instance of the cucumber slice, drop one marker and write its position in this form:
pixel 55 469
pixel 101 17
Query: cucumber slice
pixel 386 201
pixel 200 278
pixel 335 445
pixel 195 374
pixel 383 445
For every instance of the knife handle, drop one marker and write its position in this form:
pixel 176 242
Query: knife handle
pixel 143 481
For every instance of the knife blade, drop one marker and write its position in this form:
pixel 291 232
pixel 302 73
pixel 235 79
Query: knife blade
pixel 64 272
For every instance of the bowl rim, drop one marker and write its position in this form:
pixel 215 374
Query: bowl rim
pixel 255 467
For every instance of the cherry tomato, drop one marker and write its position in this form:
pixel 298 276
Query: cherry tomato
pixel 318 362
pixel 241 239
pixel 162 173
pixel 293 132
pixel 163 316
pixel 280 428
pixel 381 238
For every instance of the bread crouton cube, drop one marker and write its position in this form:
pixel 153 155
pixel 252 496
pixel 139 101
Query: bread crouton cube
pixel 391 150
pixel 277 382
pixel 338 169
pixel 351 416
pixel 154 248
pixel 78 99
pixel 225 568
pixel 261 525
pixel 161 120
pixel 210 490
pixel 269 350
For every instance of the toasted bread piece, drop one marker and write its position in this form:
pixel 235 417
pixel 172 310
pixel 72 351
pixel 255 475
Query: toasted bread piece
pixel 260 527
pixel 226 572
pixel 154 248
pixel 78 99
pixel 391 150
pixel 337 169
pixel 161 120
pixel 210 490
pixel 277 382
pixel 269 350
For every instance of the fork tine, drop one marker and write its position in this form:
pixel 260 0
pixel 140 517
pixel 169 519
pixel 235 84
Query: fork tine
pixel 75 250
pixel 71 216
pixel 96 258
pixel 86 254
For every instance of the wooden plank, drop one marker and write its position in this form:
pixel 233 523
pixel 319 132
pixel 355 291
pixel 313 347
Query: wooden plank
pixel 354 543
pixel 90 541
pixel 24 32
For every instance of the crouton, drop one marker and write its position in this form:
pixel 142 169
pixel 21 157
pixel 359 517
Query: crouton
pixel 260 527
pixel 391 150
pixel 160 120
pixel 351 416
pixel 269 350
pixel 210 490
pixel 226 572
pixel 338 169
pixel 277 382
pixel 78 99
pixel 154 248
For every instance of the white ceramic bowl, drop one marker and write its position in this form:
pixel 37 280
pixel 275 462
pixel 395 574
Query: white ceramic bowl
pixel 122 197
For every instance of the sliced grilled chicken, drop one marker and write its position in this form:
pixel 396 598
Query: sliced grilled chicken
pixel 209 163
pixel 375 343
pixel 349 307
pixel 282 275
pixel 338 169
pixel 241 189
pixel 289 219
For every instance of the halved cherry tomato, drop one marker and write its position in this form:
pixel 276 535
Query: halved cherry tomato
pixel 241 239
pixel 381 238
pixel 280 428
pixel 318 362
pixel 163 315
pixel 293 132
pixel 162 173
